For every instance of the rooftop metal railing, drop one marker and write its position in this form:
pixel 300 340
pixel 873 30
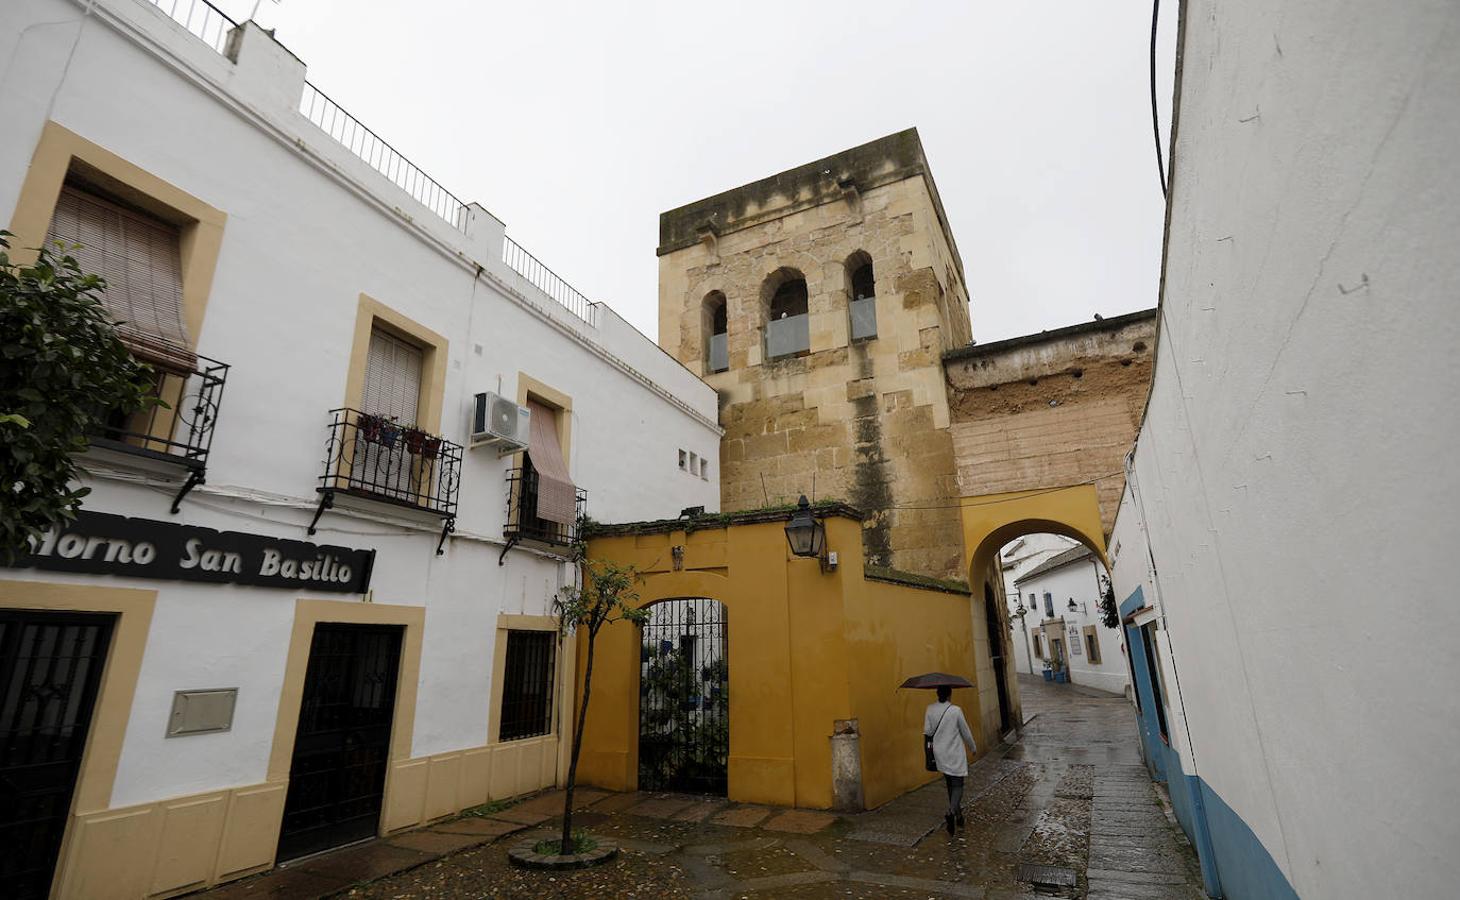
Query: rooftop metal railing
pixel 352 134
pixel 202 19
pixel 546 280
pixel 209 24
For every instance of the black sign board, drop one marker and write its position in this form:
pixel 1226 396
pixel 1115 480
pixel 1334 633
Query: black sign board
pixel 104 544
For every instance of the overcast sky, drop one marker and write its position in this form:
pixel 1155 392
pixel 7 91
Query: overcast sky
pixel 577 123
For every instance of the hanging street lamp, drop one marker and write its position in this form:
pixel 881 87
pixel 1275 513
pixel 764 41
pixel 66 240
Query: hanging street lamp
pixel 807 536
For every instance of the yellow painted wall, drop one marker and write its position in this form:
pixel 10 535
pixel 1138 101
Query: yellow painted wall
pixel 806 649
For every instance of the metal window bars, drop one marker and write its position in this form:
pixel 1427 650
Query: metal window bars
pixel 179 429
pixel 527 685
pixel 523 523
pixel 375 458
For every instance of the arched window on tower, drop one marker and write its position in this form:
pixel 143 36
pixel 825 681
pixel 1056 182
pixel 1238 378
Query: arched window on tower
pixel 861 297
pixel 788 327
pixel 717 338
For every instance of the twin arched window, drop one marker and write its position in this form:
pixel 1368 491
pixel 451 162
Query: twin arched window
pixel 785 299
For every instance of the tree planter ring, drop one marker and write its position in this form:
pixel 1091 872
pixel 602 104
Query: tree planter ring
pixel 524 857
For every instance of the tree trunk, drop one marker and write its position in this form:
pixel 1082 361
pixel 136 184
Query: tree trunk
pixel 567 845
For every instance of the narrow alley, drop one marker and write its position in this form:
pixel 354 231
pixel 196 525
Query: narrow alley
pixel 1071 796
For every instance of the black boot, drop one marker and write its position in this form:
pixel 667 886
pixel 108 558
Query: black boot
pixel 949 820
pixel 960 819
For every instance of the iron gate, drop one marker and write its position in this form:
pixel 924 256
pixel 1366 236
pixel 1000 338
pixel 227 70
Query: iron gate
pixel 684 698
pixel 342 746
pixel 50 671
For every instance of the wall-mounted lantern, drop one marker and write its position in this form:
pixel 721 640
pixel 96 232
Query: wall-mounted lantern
pixel 807 536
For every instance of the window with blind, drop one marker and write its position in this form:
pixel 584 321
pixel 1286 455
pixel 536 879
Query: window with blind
pixel 392 378
pixel 527 685
pixel 140 258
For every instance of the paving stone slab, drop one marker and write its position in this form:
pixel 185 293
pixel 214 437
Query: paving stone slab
pixel 741 816
pixel 948 888
pixel 800 821
pixel 436 843
pixel 280 884
pixel 365 863
pixel 698 811
pixel 1125 890
pixel 816 856
pixel 1095 872
pixel 615 803
pixel 485 828
pixel 659 807
pixel 1137 861
pixel 520 816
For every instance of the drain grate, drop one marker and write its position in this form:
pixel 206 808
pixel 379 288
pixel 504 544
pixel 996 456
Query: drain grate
pixel 1047 877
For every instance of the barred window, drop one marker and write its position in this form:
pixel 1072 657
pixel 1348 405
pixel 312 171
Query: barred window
pixel 527 687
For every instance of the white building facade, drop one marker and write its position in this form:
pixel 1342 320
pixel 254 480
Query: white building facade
pixel 1294 471
pixel 312 499
pixel 1065 631
pixel 1016 559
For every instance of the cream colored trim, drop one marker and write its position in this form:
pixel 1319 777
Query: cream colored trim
pixel 133 610
pixel 371 314
pixel 507 623
pixel 530 388
pixel 61 151
pixel 307 614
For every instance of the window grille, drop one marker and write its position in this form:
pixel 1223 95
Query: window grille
pixel 527 686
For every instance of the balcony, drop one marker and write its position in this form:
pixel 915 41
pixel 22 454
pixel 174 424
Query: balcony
pixel 175 434
pixel 523 524
pixel 789 336
pixel 376 459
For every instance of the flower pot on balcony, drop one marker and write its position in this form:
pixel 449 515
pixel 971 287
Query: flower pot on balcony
pixel 415 440
pixel 389 434
pixel 370 427
pixel 431 448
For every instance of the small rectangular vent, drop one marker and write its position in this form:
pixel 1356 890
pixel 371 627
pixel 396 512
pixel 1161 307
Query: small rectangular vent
pixel 1047 878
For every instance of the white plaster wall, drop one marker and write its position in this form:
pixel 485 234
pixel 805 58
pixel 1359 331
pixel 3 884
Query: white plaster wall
pixel 309 229
pixel 1296 461
pixel 1077 581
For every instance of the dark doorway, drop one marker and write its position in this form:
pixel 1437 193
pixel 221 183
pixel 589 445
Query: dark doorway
pixel 50 672
pixel 684 698
pixel 996 656
pixel 342 747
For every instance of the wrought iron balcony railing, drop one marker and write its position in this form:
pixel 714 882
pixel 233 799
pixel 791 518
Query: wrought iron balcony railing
pixel 523 523
pixel 179 430
pixel 378 459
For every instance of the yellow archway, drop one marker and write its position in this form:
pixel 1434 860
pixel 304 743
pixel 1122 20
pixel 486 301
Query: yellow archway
pixel 991 521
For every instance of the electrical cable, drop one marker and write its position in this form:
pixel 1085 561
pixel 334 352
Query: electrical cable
pixel 1155 115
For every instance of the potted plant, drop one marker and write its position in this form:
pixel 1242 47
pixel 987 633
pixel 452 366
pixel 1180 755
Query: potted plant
pixel 370 426
pixel 389 433
pixel 1048 671
pixel 431 447
pixel 415 440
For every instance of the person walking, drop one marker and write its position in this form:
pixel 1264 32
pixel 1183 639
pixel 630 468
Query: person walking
pixel 945 725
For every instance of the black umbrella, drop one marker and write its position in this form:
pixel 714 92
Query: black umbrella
pixel 937 680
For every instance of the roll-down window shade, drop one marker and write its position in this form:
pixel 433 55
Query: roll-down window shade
pixel 140 258
pixel 392 379
pixel 557 498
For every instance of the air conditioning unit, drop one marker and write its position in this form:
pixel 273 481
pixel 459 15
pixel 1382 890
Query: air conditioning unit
pixel 501 423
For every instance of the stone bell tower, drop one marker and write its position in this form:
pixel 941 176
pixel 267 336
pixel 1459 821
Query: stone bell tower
pixel 819 302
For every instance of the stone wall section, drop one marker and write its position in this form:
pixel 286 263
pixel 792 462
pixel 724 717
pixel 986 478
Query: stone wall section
pixel 864 422
pixel 1052 410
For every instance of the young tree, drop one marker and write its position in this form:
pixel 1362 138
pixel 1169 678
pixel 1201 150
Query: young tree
pixel 605 596
pixel 62 370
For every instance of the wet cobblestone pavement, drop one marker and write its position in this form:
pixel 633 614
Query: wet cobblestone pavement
pixel 1072 793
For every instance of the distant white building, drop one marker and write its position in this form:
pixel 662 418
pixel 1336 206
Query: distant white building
pixel 313 599
pixel 1062 596
pixel 1016 559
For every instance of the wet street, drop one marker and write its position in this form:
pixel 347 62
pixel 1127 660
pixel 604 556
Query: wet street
pixel 1071 796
